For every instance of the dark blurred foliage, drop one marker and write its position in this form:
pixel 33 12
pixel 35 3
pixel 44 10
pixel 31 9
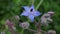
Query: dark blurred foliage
pixel 9 8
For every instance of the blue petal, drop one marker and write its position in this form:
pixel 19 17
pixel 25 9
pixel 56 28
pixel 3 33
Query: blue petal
pixel 26 8
pixel 24 13
pixel 31 17
pixel 32 7
pixel 36 13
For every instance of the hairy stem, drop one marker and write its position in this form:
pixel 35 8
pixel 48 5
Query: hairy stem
pixel 31 30
pixel 22 31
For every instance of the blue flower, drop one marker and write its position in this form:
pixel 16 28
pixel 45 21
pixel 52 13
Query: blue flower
pixel 30 12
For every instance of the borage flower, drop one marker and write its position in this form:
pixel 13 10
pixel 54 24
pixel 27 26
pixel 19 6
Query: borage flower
pixel 30 12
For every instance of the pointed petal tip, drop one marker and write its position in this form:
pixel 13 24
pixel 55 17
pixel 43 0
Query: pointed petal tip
pixel 32 7
pixel 31 17
pixel 37 13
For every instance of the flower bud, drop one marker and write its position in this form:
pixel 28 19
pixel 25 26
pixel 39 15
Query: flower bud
pixel 44 19
pixel 51 13
pixel 10 24
pixel 17 17
pixel 24 25
pixel 51 32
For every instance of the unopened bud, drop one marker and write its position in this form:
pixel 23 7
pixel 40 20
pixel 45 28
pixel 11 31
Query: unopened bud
pixel 51 32
pixel 10 24
pixel 17 17
pixel 24 25
pixel 51 13
pixel 44 19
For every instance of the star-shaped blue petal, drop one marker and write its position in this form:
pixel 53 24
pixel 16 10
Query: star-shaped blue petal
pixel 30 12
pixel 31 17
pixel 26 8
pixel 36 13
pixel 24 13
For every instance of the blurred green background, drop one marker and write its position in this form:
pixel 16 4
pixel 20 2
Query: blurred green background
pixel 9 8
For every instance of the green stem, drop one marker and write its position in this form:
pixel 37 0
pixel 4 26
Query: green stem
pixel 39 4
pixel 35 24
pixel 22 31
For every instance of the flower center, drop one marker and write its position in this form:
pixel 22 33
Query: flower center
pixel 31 10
